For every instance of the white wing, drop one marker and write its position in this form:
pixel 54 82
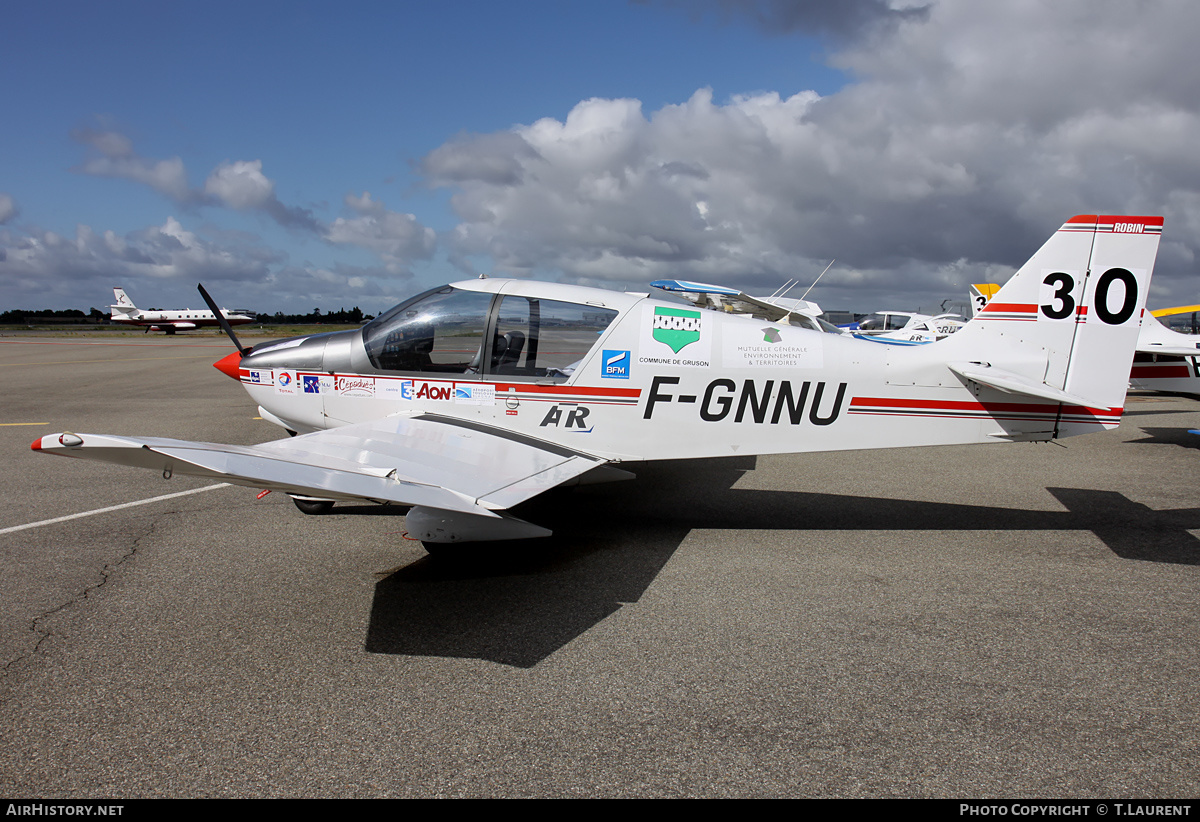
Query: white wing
pixel 427 461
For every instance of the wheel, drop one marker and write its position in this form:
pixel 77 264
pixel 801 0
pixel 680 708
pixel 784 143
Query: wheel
pixel 313 506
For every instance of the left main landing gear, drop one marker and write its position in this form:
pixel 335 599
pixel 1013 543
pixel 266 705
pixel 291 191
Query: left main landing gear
pixel 313 506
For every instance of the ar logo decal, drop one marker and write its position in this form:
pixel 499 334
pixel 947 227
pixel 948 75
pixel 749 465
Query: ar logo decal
pixel 676 328
pixel 574 418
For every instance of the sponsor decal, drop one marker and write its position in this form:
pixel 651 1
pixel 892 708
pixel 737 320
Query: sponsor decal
pixel 391 389
pixel 443 391
pixel 311 383
pixel 261 377
pixel 567 415
pixel 674 337
pixel 354 386
pixel 676 328
pixel 614 365
pixel 747 345
pixel 285 382
pixel 755 401
pixel 474 393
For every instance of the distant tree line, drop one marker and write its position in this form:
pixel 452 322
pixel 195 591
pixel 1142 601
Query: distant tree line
pixel 339 317
pixel 46 315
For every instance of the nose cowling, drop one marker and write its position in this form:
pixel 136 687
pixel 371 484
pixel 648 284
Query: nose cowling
pixel 229 365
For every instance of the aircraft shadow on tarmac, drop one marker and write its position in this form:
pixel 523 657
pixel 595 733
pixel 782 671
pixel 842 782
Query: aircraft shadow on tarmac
pixel 1168 436
pixel 517 603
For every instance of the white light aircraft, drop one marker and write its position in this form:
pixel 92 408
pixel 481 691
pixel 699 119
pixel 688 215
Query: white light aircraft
pixel 797 312
pixel 1166 360
pixel 907 328
pixel 187 319
pixel 469 399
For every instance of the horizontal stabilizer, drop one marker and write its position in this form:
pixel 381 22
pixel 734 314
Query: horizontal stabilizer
pixel 1175 350
pixel 1011 383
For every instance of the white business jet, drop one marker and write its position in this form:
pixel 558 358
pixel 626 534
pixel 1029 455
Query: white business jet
pixel 186 319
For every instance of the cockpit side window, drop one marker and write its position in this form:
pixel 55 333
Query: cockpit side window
pixel 437 332
pixel 544 339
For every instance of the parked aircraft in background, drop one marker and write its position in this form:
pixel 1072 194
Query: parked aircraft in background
pixel 187 319
pixel 469 399
pixel 1164 360
pixel 797 312
pixel 906 327
pixel 980 295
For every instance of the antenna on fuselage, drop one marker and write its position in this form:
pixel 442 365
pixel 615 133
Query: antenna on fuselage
pixel 788 315
pixel 819 276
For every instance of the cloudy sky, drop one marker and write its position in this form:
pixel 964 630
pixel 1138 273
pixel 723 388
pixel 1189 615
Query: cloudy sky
pixel 293 155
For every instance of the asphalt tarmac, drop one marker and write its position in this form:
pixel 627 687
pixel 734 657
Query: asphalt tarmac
pixel 989 621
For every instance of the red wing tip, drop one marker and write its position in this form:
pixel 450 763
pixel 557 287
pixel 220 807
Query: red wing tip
pixel 37 444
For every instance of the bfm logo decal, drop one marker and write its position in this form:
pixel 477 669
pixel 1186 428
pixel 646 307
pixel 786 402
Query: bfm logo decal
pixel 615 365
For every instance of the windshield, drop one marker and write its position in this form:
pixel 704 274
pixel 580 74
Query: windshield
pixel 439 331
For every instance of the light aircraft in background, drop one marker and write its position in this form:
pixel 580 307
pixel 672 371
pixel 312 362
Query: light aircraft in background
pixel 906 327
pixel 187 319
pixel 1165 360
pixel 778 309
pixel 469 399
pixel 895 327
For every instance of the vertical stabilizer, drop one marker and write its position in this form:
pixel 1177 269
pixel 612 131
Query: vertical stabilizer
pixel 122 298
pixel 1069 318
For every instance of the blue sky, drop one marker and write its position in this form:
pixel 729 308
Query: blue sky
pixel 301 154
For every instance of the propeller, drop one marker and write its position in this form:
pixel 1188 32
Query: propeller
pixel 224 322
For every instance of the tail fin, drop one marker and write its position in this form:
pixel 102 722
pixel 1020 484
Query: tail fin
pixel 981 294
pixel 123 309
pixel 1066 325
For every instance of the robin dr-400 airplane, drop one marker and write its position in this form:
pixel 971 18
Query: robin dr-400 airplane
pixel 469 399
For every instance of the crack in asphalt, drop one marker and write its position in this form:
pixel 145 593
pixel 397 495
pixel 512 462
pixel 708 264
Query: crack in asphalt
pixel 44 634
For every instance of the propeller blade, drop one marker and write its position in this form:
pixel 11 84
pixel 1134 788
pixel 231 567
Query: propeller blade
pixel 221 319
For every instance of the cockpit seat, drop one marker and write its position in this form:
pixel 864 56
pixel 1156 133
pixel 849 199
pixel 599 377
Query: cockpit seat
pixel 506 352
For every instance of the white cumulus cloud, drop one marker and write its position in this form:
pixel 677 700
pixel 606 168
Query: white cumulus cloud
pixel 968 133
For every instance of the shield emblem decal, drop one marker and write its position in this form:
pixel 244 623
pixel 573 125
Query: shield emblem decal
pixel 676 327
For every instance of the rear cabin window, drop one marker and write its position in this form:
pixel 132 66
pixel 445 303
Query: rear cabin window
pixel 545 339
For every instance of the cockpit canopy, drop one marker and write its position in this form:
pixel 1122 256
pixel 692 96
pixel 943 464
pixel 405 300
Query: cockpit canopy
pixel 454 331
pixel 882 321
